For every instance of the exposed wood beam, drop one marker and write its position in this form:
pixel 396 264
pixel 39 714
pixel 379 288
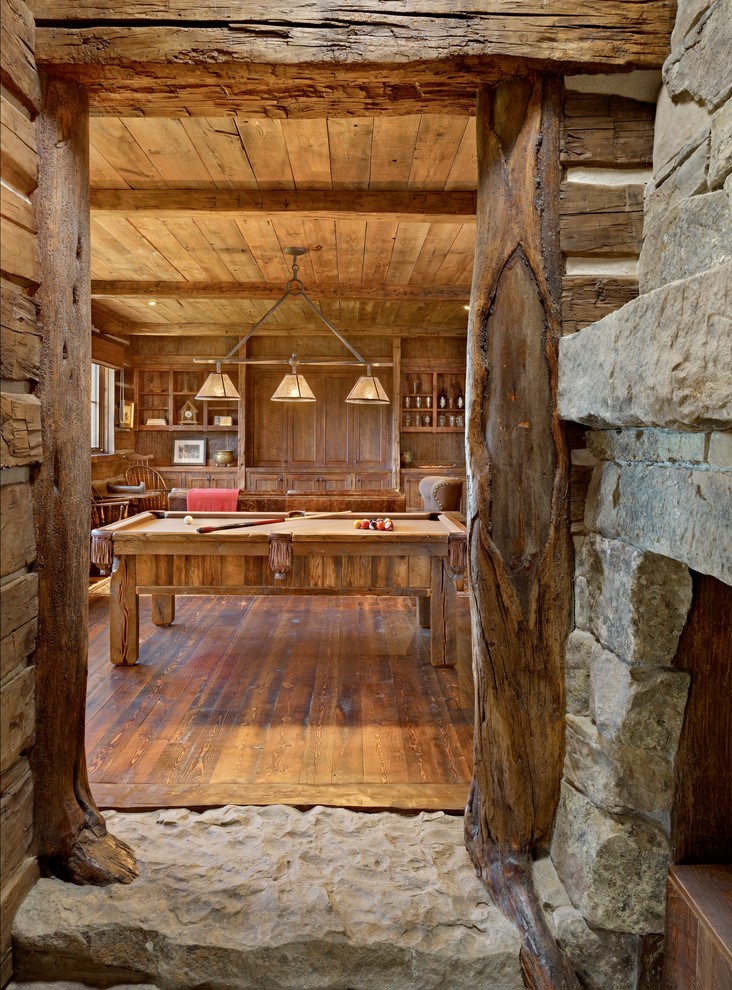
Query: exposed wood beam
pixel 274 330
pixel 272 290
pixel 616 32
pixel 176 204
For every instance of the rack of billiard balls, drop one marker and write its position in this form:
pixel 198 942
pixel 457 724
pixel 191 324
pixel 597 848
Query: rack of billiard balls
pixel 384 525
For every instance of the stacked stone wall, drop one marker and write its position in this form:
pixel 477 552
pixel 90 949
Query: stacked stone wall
pixel 653 381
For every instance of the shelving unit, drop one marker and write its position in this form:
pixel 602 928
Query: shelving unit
pixel 432 402
pixel 165 395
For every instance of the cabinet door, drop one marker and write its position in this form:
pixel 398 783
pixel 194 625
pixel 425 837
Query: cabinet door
pixel 306 482
pixel 371 480
pixel 410 485
pixel 370 431
pixel 265 481
pixel 267 425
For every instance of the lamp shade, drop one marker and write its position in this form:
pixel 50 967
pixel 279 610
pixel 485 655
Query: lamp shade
pixel 293 388
pixel 368 390
pixel 218 386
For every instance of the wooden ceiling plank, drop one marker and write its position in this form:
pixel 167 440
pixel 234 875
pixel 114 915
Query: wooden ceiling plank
pixel 102 174
pixel 350 144
pixel 123 153
pixel 265 247
pixel 290 232
pixel 438 140
pixel 266 150
pixel 229 244
pixel 458 264
pixel 379 244
pixel 126 260
pixel 307 148
pixel 159 289
pixel 164 241
pixel 184 166
pixel 320 236
pixel 393 150
pixel 436 247
pixel 407 247
pixel 218 143
pixel 198 247
pixel 350 246
pixel 464 171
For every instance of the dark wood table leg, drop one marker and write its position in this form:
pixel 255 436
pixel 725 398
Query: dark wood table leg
pixel 124 620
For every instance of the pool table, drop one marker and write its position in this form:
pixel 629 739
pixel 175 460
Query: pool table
pixel 162 555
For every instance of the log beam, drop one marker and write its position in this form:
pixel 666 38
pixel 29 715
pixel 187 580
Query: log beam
pixel 519 546
pixel 70 834
pixel 101 288
pixel 245 204
pixel 237 330
pixel 616 32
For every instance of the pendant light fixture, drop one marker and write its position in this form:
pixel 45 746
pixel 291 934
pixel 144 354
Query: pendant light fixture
pixel 293 387
pixel 218 386
pixel 368 390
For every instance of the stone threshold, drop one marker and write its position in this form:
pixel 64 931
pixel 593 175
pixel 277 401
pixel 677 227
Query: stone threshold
pixel 274 898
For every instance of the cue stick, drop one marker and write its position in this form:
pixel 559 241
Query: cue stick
pixel 240 525
pixel 315 515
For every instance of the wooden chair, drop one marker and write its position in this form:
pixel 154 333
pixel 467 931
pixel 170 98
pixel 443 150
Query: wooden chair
pixel 103 512
pixel 154 483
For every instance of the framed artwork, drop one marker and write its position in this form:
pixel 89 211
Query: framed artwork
pixel 128 414
pixel 189 452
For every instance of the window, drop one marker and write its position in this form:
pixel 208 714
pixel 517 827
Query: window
pixel 102 409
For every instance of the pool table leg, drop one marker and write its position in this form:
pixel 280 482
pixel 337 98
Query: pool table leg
pixel 442 616
pixel 163 606
pixel 124 621
pixel 423 611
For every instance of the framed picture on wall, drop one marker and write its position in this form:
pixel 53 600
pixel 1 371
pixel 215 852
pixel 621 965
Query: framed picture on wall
pixel 128 415
pixel 189 452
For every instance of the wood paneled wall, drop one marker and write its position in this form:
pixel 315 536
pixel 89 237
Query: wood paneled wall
pixel 20 447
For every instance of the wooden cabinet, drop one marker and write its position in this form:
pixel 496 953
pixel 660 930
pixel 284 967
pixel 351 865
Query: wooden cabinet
pixel 320 437
pixel 203 477
pixel 166 399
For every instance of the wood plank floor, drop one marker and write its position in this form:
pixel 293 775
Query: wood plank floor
pixel 292 700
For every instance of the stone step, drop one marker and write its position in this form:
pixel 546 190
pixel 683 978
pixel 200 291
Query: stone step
pixel 272 898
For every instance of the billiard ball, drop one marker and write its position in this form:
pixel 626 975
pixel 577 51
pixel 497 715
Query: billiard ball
pixel 357 524
pixel 188 520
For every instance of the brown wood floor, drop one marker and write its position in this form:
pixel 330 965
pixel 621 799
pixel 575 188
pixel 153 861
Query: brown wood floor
pixel 295 700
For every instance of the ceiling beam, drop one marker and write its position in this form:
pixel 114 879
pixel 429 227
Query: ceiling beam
pixel 615 32
pixel 341 204
pixel 103 288
pixel 237 330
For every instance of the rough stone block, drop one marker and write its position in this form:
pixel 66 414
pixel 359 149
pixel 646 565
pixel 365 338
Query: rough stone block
pixel 680 129
pixel 694 236
pixel 622 779
pixel 638 600
pixel 245 898
pixel 720 151
pixel 661 360
pixel 677 512
pixel 688 13
pixel 649 445
pixel 614 867
pixel 687 177
pixel 604 960
pixel 643 709
pixel 699 68
pixel 719 453
pixel 577 671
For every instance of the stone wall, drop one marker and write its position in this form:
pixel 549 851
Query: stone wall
pixel 653 381
pixel 20 451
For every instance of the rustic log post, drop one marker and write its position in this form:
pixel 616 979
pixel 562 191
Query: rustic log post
pixel 71 837
pixel 519 546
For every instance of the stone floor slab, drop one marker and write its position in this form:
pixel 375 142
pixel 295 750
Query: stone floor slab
pixel 277 899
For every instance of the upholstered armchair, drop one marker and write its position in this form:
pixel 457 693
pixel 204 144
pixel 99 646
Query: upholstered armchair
pixel 441 494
